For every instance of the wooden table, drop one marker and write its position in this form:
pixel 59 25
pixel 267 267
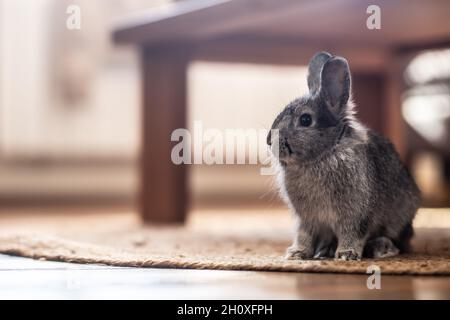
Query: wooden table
pixel 273 32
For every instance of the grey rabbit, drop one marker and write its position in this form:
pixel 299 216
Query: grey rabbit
pixel 351 194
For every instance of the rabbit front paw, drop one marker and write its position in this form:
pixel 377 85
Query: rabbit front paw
pixel 347 255
pixel 298 253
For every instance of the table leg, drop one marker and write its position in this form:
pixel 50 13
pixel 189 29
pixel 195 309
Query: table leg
pixel 163 185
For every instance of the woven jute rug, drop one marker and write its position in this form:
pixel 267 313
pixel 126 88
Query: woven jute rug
pixel 225 241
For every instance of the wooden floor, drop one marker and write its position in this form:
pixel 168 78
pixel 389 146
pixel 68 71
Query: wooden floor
pixel 22 278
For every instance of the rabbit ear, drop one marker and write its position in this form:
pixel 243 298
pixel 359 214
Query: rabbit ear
pixel 315 68
pixel 335 84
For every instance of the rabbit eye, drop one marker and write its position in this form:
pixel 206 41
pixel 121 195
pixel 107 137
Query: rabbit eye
pixel 305 120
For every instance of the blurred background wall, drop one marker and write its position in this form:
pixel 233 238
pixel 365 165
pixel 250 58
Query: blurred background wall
pixel 69 111
pixel 69 104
